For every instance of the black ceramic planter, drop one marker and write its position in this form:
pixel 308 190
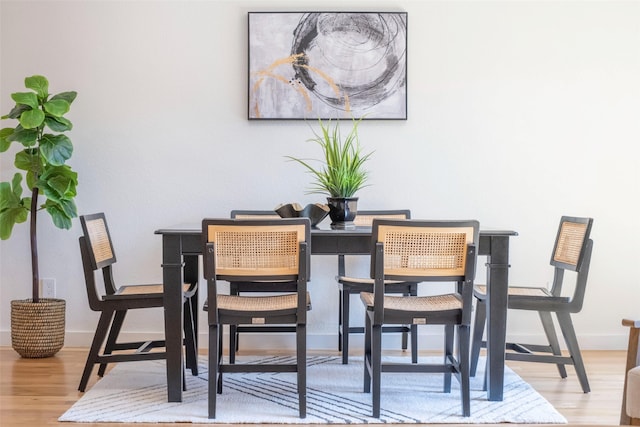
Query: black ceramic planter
pixel 342 211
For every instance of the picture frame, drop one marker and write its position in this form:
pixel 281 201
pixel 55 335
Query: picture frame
pixel 327 65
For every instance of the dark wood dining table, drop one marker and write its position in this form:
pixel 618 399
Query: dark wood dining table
pixel 182 246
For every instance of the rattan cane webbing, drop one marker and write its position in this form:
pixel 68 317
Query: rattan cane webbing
pixel 364 220
pixel 253 250
pixel 444 302
pixel 100 244
pixel 147 289
pixel 570 242
pixel 259 303
pixel 425 250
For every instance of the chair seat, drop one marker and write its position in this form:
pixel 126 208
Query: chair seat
pixel 633 392
pixel 480 291
pixel 436 303
pixel 260 304
pixel 147 289
pixel 365 281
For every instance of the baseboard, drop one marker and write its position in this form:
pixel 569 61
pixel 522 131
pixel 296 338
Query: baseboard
pixel 426 341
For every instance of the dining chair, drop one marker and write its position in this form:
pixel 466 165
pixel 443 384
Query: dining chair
pixel 425 252
pixel 98 254
pixel 571 254
pixel 262 252
pixel 351 285
pixel 630 411
pixel 236 288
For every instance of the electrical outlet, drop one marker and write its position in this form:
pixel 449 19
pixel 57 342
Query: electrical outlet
pixel 48 288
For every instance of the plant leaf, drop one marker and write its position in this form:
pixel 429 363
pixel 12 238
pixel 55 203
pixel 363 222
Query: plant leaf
pixel 5 142
pixel 58 183
pixel 56 149
pixel 62 212
pixel 16 111
pixel 26 137
pixel 67 96
pixel 56 107
pixel 58 215
pixel 39 84
pixel 29 160
pixel 26 98
pixel 12 207
pixel 31 119
pixel 58 124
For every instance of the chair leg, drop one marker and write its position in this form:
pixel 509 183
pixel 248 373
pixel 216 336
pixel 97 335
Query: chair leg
pixel 114 332
pixel 367 354
pixel 376 367
pixel 566 325
pixel 448 355
pixel 213 367
pixel 463 360
pixel 346 307
pixel 98 339
pixel 405 333
pixel 552 338
pixel 191 359
pixel 340 292
pixel 478 330
pixel 233 343
pixel 413 291
pixel 220 347
pixel 414 343
pixel 301 351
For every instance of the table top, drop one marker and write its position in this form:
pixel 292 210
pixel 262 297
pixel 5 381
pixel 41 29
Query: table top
pixel 321 229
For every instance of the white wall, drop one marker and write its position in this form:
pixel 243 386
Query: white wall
pixel 519 112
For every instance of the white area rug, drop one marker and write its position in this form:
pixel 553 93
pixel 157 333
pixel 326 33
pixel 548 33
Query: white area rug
pixel 136 392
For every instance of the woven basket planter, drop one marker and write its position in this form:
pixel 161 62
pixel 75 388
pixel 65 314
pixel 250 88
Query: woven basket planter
pixel 37 329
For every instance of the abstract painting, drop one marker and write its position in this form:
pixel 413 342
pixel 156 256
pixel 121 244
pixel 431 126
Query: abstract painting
pixel 328 65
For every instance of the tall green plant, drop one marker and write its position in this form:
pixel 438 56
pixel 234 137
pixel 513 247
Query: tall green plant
pixel 41 163
pixel 342 172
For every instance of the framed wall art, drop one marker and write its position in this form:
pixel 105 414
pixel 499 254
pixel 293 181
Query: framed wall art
pixel 310 65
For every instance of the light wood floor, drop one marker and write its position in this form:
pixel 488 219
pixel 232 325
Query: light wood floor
pixel 35 392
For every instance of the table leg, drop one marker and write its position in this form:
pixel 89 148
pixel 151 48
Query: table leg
pixel 497 294
pixel 172 280
pixel 191 275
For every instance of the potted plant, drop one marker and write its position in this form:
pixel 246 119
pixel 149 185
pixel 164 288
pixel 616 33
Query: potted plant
pixel 341 173
pixel 37 324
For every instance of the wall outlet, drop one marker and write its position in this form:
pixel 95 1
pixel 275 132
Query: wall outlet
pixel 48 288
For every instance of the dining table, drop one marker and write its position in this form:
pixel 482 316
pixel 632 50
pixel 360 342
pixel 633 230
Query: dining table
pixel 182 246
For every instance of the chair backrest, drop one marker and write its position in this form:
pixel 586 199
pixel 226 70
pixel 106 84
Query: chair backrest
pixel 571 241
pixel 419 250
pixel 364 218
pixel 425 251
pixel 96 232
pixel 97 253
pixel 572 252
pixel 254 214
pixel 256 249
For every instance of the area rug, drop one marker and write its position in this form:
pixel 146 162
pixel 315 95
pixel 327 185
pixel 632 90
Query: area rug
pixel 136 392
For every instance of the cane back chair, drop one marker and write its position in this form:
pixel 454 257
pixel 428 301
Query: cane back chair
pixel 424 252
pixel 97 251
pixel 350 285
pixel 571 253
pixel 257 251
pixel 236 288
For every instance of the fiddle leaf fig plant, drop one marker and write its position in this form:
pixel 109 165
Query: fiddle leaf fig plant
pixel 41 164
